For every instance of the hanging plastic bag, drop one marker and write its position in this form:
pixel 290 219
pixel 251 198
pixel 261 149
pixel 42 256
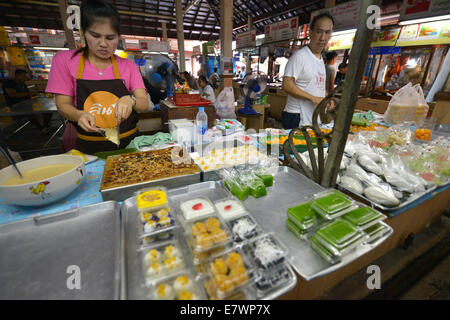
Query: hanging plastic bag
pixel 225 104
pixel 408 104
pixel 69 137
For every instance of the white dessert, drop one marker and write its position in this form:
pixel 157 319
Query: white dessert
pixel 182 283
pixel 196 208
pixel 230 209
pixel 164 292
pixel 152 256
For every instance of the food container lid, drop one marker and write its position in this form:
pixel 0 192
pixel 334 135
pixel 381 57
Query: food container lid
pixel 295 229
pixel 207 233
pixel 155 222
pixel 376 231
pixel 330 202
pixel 151 199
pixel 162 260
pixel 339 233
pixel 304 215
pixel 363 216
pixel 244 228
pixel 230 272
pixel 325 253
pixel 266 252
pixel 196 208
pixel 179 286
pixel 270 282
pixel 230 209
pixel 211 291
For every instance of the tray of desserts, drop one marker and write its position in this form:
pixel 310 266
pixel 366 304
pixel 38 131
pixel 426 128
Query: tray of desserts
pixel 211 248
pixel 127 173
pixel 293 197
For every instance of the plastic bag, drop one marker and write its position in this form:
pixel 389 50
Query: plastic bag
pixel 69 137
pixel 408 104
pixel 225 104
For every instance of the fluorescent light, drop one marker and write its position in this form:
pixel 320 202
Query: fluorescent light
pixel 50 48
pixel 404 23
pixel 344 32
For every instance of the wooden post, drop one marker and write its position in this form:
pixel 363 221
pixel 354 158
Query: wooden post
pixel 69 33
pixel 248 67
pixel 226 32
pixel 164 31
pixel 180 35
pixel 330 3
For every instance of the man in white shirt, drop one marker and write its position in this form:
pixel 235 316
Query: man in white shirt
pixel 305 77
pixel 205 89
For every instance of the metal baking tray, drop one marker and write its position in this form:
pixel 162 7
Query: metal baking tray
pixel 291 188
pixel 125 192
pixel 37 255
pixel 384 208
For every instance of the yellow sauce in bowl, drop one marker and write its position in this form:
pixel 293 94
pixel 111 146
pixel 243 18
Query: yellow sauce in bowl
pixel 37 174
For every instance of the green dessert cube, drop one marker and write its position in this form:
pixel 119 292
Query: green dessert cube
pixel 237 189
pixel 266 177
pixel 254 184
pixel 294 228
pixel 375 231
pixel 303 215
pixel 325 253
pixel 362 216
pixel 340 234
pixel 331 203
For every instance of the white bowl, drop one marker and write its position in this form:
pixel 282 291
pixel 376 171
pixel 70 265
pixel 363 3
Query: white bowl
pixel 46 191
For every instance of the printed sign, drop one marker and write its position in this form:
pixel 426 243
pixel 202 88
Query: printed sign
pixel 346 15
pixel 246 39
pixel 417 9
pixel 283 30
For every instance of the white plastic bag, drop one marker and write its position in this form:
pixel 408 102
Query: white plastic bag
pixel 408 104
pixel 225 104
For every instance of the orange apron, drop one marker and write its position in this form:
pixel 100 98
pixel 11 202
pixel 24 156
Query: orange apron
pixel 99 97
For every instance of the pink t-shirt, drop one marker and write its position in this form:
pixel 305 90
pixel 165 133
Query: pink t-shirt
pixel 63 74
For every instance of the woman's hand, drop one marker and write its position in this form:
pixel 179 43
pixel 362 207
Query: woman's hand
pixel 87 122
pixel 124 107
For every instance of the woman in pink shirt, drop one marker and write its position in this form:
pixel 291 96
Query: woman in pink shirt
pixel 94 88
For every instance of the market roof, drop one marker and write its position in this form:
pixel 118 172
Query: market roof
pixel 144 17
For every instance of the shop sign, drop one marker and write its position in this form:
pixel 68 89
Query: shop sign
pixel 153 45
pixel 417 9
pixel 246 39
pixel 283 30
pixel 425 34
pixel 341 42
pixel 4 37
pixel 385 37
pixel 384 50
pixel 46 40
pixel 346 15
pixel 196 50
pixel 227 64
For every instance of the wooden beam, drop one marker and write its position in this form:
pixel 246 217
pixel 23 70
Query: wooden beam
pixel 211 6
pixel 69 33
pixel 180 35
pixel 227 36
pixel 330 3
pixel 164 31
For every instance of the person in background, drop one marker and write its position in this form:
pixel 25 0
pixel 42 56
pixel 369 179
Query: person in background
pixel 190 80
pixel 242 75
pixel 94 88
pixel 16 91
pixel 158 92
pixel 206 91
pixel 340 75
pixel 304 78
pixel 330 58
pixel 214 78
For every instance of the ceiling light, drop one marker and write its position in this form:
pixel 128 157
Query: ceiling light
pixel 404 23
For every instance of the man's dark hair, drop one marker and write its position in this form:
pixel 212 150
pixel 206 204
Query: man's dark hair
pixel 320 16
pixel 330 56
pixel 202 78
pixel 19 72
pixel 215 69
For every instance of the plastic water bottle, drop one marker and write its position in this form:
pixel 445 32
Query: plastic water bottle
pixel 201 124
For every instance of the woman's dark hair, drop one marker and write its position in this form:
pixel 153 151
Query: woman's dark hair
pixel 202 78
pixel 91 11
pixel 320 16
pixel 187 75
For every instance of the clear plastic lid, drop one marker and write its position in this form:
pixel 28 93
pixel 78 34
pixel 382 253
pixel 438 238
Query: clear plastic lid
pixel 211 291
pixel 230 209
pixel 332 256
pixel 244 228
pixel 207 233
pixel 330 202
pixel 340 234
pixel 146 241
pixel 295 229
pixel 364 217
pixel 196 208
pixel 229 273
pixel 303 215
pixel 376 231
pixel 162 260
pixel 154 222
pixel 266 252
pixel 270 282
pixel 179 286
pixel 151 199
